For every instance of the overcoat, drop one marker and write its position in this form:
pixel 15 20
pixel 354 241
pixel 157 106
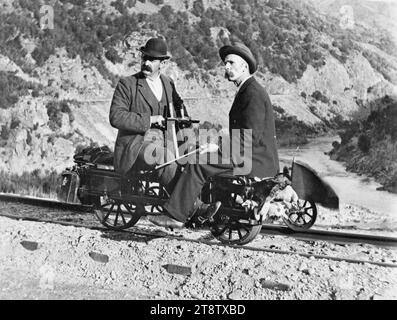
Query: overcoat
pixel 253 110
pixel 132 105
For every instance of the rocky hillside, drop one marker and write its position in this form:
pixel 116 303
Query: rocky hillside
pixel 57 84
pixel 374 14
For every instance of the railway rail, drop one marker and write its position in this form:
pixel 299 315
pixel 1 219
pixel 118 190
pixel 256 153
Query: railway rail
pixel 310 235
pixel 48 203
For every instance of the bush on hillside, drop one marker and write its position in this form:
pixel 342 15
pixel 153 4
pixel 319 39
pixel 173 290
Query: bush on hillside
pixel 279 45
pixel 198 8
pixel 15 122
pixel 75 2
pixel 364 143
pixel 55 109
pixel 13 87
pixel 29 5
pixel 5 132
pixel 320 97
pixel 157 2
pixel 131 3
pixel 112 55
pixel 42 52
pixel 119 6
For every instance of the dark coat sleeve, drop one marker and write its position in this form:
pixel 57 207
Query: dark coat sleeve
pixel 123 113
pixel 252 110
pixel 253 117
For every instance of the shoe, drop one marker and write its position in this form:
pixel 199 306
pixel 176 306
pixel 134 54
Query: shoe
pixel 166 222
pixel 207 212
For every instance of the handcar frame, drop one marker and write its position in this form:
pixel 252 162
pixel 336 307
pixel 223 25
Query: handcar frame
pixel 119 201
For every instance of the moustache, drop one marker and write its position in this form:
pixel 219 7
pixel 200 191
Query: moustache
pixel 146 68
pixel 228 74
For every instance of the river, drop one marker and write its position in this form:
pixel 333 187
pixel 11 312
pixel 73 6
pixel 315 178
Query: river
pixel 350 187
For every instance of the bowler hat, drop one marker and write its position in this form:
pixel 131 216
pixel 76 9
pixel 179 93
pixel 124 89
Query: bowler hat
pixel 156 48
pixel 241 50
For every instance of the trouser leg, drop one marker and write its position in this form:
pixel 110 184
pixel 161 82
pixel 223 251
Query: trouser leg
pixel 181 203
pixel 167 175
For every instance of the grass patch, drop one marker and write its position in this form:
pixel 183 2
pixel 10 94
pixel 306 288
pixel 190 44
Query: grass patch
pixel 36 183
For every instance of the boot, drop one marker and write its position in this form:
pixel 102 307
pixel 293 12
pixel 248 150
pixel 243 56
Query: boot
pixel 207 212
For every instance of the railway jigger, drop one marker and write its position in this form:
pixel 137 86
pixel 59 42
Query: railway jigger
pixel 120 201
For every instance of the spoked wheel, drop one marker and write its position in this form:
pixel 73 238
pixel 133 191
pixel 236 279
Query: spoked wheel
pixel 235 199
pixel 157 192
pixel 233 232
pixel 118 215
pixel 302 217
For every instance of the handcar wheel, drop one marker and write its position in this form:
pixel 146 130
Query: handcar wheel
pixel 234 232
pixel 158 193
pixel 302 217
pixel 118 215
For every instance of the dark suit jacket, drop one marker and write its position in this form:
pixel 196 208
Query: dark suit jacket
pixel 252 109
pixel 132 105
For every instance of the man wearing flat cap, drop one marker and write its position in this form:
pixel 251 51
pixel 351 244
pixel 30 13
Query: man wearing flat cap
pixel 140 102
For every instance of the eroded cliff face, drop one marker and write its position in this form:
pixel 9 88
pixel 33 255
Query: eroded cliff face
pixel 344 85
pixel 30 141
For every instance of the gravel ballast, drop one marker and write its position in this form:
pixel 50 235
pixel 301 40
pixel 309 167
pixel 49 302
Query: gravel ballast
pixel 50 261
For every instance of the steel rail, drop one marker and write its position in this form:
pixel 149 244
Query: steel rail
pixel 330 236
pixel 250 248
pixel 42 202
pixel 306 235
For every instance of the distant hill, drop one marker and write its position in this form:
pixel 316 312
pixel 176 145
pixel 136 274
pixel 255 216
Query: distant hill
pixel 374 14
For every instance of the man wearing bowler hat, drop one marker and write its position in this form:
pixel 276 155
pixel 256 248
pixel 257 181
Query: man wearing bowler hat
pixel 251 111
pixel 140 102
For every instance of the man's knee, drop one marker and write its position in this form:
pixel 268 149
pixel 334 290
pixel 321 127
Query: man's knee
pixel 168 173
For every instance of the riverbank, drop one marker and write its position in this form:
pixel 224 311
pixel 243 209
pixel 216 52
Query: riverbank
pixel 369 146
pixel 352 189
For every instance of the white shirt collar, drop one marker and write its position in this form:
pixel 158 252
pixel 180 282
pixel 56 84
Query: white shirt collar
pixel 157 79
pixel 156 86
pixel 242 82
